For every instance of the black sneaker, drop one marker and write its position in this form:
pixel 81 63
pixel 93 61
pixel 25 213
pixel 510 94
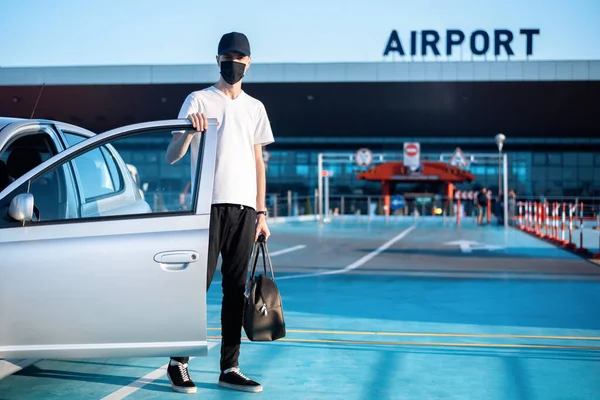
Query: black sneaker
pixel 180 378
pixel 232 378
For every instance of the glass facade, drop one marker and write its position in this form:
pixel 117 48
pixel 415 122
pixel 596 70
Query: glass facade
pixel 564 174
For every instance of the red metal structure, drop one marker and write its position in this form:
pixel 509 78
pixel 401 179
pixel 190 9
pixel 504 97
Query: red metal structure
pixel 430 171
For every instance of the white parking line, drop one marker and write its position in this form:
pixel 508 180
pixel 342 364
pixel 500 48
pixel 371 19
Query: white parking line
pixel 288 250
pixel 144 380
pixel 275 254
pixel 137 385
pixel 358 263
pixel 9 367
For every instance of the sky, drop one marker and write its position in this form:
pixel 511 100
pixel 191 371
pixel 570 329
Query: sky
pixel 171 32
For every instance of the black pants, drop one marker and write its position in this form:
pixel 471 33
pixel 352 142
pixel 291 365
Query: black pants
pixel 232 229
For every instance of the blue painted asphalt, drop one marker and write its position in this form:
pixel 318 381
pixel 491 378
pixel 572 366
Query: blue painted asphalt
pixel 420 320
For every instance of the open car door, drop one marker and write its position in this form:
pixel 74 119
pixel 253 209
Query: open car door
pixel 90 268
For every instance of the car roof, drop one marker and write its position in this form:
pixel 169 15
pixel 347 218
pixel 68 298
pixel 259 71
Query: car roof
pixel 7 120
pixel 7 125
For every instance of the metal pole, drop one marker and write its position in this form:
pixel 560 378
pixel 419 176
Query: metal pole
pixel 342 208
pixel 581 227
pixel 320 187
pixel 326 197
pixel 289 198
pixel 570 224
pixel 505 193
pixel 296 208
pixel 500 171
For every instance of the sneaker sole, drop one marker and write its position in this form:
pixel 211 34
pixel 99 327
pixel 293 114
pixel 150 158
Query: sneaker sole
pixel 180 389
pixel 249 389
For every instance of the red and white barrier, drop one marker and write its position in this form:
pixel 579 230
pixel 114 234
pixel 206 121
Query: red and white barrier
pixel 570 245
pixel 471 195
pixel 563 224
pixel 465 194
pixel 551 222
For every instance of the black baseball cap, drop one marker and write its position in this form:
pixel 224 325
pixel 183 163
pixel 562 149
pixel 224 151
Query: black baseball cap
pixel 234 41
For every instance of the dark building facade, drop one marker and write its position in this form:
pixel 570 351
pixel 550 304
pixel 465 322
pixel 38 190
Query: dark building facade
pixel 547 110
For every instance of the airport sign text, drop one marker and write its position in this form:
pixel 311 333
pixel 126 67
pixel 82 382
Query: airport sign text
pixel 480 42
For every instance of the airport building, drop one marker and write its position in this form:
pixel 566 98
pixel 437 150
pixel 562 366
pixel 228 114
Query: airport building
pixel 546 109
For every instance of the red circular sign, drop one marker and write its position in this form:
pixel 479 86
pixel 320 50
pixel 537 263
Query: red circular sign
pixel 411 150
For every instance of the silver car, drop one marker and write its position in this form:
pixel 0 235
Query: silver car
pixel 88 268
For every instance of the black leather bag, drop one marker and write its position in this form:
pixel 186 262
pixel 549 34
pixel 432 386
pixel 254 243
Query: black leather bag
pixel 263 312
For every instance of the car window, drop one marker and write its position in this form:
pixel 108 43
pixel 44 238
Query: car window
pixel 107 168
pixel 94 175
pixel 73 139
pixel 28 152
pixel 38 147
pixel 113 168
pixel 24 154
pixel 98 182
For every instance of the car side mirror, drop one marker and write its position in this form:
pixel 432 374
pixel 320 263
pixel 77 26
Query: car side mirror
pixel 21 207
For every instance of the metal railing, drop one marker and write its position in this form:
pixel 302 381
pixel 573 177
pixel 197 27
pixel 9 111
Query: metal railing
pixel 291 205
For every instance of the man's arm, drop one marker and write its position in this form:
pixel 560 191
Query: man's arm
pixel 261 178
pixel 262 136
pixel 192 110
pixel 261 185
pixel 178 146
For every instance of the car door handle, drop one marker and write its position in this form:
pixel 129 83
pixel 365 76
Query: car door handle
pixel 176 257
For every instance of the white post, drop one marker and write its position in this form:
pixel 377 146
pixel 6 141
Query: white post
pixel 320 189
pixel 501 171
pixel 499 139
pixel 505 184
pixel 415 212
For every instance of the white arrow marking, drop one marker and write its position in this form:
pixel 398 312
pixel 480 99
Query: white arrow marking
pixel 467 246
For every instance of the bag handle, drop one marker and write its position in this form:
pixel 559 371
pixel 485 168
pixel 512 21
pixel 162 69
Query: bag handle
pixel 261 246
pixel 254 260
pixel 266 251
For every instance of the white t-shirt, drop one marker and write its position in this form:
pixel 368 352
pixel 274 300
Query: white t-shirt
pixel 243 123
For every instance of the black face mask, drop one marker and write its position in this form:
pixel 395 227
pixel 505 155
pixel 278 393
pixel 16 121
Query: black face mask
pixel 232 71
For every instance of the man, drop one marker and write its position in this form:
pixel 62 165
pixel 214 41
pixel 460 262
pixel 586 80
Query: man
pixel 482 204
pixel 238 214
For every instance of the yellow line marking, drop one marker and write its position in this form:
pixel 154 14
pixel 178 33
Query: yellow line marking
pixel 433 344
pixel 423 334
